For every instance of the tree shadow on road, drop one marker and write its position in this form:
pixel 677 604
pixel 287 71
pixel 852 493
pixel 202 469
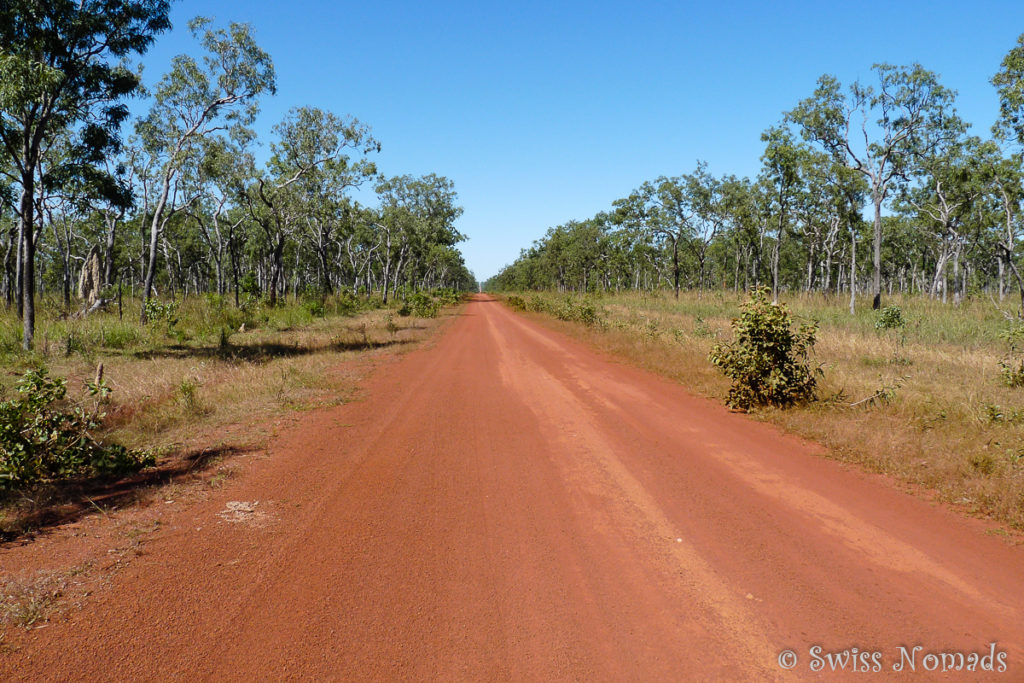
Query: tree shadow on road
pixel 25 515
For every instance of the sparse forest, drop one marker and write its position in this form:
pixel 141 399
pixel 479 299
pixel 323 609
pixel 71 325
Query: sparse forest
pixel 96 205
pixel 865 190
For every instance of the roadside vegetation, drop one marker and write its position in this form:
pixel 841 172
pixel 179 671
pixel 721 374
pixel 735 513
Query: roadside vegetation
pixel 104 396
pixel 917 390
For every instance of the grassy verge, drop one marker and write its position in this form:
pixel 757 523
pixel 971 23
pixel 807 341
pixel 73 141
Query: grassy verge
pixel 938 414
pixel 202 382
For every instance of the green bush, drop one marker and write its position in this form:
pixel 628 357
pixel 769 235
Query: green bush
pixel 447 297
pixel 314 307
pixel 890 318
pixel 1011 368
pixel 159 312
pixel 422 305
pixel 43 437
pixel 767 361
pixel 1012 372
pixel 516 302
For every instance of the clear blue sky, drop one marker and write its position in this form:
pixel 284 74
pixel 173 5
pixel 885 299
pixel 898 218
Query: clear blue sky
pixel 544 112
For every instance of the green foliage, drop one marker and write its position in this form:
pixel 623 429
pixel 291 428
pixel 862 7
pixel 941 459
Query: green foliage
pixel 1011 367
pixel 157 311
pixel 422 305
pixel 314 307
pixel 767 361
pixel 45 437
pixel 1012 372
pixel 188 397
pixel 1009 82
pixel 570 309
pixel 516 302
pixel 890 318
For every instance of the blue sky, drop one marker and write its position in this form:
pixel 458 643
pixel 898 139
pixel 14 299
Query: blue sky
pixel 545 112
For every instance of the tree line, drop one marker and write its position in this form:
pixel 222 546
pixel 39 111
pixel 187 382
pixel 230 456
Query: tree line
pixel 175 201
pixel 874 188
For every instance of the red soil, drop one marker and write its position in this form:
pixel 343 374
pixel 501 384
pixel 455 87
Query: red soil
pixel 508 504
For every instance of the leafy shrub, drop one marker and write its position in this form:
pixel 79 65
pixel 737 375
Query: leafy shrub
pixel 447 297
pixel 767 361
pixel 890 318
pixel 249 285
pixel 577 310
pixel 314 307
pixel 516 302
pixel 346 303
pixel 1011 367
pixel 422 305
pixel 1012 372
pixel 157 311
pixel 42 436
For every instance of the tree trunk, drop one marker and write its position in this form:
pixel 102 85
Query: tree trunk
pixel 28 278
pixel 675 265
pixel 876 282
pixel 154 235
pixel 853 271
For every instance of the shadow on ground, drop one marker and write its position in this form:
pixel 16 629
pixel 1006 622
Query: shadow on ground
pixel 51 505
pixel 258 353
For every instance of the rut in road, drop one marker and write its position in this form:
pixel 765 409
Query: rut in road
pixel 508 504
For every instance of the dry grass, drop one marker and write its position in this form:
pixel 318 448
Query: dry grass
pixel 946 423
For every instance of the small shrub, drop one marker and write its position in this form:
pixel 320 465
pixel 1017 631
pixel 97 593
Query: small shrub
pixel 1011 367
pixel 314 307
pixel 576 310
pixel 249 285
pixel 890 318
pixel 516 302
pixel 42 436
pixel 422 305
pixel 1012 372
pixel 448 297
pixel 767 361
pixel 346 303
pixel 188 398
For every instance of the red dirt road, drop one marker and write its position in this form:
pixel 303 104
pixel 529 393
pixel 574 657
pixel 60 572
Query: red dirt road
pixel 507 504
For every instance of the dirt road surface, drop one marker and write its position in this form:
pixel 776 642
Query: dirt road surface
pixel 507 504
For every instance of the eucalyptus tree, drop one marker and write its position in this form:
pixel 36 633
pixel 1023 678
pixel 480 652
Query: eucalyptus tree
pixel 781 174
pixel 664 210
pixel 318 141
pixel 309 161
pixel 360 244
pixel 415 213
pixel 911 109
pixel 194 101
pixel 1004 178
pixel 709 216
pixel 1009 82
pixel 216 176
pixel 60 71
pixel 949 185
pixel 1007 175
